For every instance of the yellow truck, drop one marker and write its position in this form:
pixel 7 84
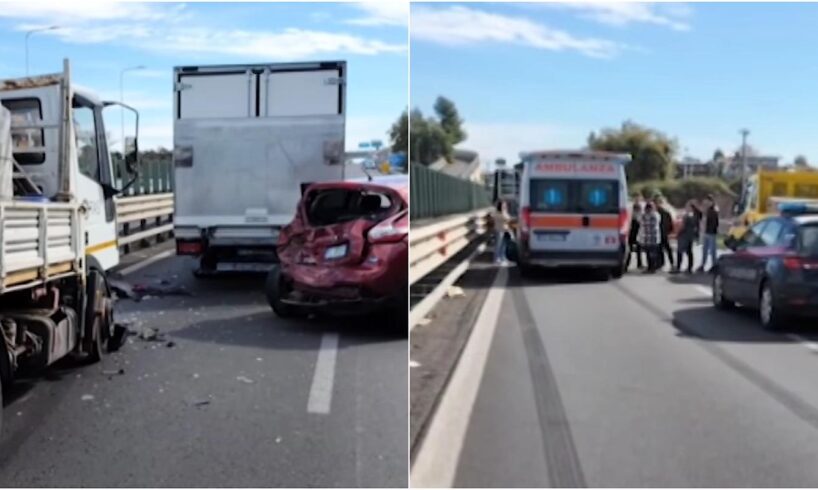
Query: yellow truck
pixel 766 189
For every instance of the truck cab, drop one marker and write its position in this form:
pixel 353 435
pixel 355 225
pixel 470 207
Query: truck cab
pixel 58 229
pixel 766 190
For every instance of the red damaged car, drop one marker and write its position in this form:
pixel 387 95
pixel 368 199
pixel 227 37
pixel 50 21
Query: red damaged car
pixel 346 251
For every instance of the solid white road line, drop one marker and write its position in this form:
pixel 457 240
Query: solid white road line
pixel 321 390
pixel 704 290
pixel 150 260
pixel 437 460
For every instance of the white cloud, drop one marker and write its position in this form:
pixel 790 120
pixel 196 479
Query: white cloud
pixel 673 16
pixel 158 28
pixel 61 12
pixel 383 13
pixel 507 140
pixel 459 25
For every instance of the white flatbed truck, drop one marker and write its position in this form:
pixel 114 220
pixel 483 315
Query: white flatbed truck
pixel 58 229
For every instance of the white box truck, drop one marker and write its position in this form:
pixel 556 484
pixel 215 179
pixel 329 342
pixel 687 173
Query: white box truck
pixel 247 140
pixel 58 228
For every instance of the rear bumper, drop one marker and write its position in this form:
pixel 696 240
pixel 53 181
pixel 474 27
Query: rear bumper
pixel 379 279
pixel 572 259
pixel 798 298
pixel 194 240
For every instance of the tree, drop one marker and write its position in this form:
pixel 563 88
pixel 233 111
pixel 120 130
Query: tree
pixel 450 120
pixel 399 134
pixel 801 161
pixel 718 155
pixel 651 151
pixel 427 139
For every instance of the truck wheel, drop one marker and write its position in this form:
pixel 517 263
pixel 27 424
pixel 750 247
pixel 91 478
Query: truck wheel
pixel 98 315
pixel 276 287
pixel 1 405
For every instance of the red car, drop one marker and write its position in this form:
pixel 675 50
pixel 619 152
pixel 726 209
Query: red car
pixel 346 251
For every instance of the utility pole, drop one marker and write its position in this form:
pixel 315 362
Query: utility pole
pixel 122 99
pixel 744 133
pixel 32 31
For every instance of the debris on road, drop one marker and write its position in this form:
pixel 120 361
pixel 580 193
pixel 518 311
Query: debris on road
pixel 278 440
pixel 455 292
pixel 111 372
pixel 87 398
pixel 149 333
pixel 139 292
pixel 170 344
pixel 244 379
pixel 201 403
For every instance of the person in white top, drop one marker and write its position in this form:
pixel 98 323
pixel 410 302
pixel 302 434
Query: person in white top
pixel 500 218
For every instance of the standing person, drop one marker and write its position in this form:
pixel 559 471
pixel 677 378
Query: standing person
pixel 500 219
pixel 688 234
pixel 633 237
pixel 665 229
pixel 651 236
pixel 711 230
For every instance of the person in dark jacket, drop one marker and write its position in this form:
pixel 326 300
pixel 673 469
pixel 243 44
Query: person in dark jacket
pixel 633 237
pixel 688 234
pixel 711 231
pixel 665 228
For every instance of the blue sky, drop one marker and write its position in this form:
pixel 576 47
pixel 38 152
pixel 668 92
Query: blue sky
pixel 103 38
pixel 528 76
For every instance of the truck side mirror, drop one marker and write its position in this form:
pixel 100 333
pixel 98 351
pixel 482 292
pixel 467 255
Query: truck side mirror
pixel 132 156
pixel 130 145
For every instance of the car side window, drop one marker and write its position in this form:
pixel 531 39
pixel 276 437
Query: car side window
pixel 788 238
pixel 752 238
pixel 770 234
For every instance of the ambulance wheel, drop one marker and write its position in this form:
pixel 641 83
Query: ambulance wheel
pixel 526 271
pixel 617 272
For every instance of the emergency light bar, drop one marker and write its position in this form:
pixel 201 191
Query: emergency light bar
pixel 797 208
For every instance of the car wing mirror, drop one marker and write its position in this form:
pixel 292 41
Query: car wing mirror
pixel 732 243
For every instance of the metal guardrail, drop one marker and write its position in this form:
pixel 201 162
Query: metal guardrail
pixel 433 244
pixel 144 217
pixel 434 194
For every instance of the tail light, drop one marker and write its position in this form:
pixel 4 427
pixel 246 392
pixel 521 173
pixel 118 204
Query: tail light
pixel 188 247
pixel 793 263
pixel 525 215
pixel 387 232
pixel 624 221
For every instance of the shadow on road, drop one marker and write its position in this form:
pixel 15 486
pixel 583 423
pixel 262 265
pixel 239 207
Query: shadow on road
pixel 267 331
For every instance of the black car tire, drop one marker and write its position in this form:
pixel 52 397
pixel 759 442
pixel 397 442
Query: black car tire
pixel 719 300
pixel 275 287
pixel 769 314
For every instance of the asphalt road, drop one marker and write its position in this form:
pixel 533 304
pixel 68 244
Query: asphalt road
pixel 636 383
pixel 232 396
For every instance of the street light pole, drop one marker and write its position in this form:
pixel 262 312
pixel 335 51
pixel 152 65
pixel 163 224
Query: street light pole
pixel 744 133
pixel 28 35
pixel 122 99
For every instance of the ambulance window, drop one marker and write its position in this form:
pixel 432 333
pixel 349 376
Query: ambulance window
pixel 550 195
pixel 599 197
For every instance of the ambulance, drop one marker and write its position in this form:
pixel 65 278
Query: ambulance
pixel 574 211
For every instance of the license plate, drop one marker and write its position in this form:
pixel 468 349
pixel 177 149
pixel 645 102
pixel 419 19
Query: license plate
pixel 551 237
pixel 336 252
pixel 242 267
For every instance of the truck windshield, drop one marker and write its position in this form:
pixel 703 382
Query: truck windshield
pixel 574 196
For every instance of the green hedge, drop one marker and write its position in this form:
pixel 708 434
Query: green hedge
pixel 678 192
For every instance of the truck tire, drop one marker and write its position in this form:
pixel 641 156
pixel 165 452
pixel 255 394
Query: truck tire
pixel 1 405
pixel 276 286
pixel 98 320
